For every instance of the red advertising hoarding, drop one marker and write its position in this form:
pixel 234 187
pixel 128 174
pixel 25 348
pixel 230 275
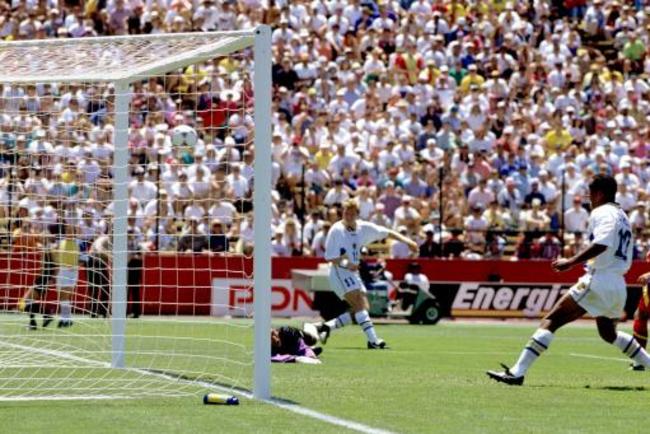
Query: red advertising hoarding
pixel 200 284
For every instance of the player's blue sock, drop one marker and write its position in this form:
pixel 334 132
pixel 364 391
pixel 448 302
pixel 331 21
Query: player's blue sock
pixel 632 349
pixel 340 321
pixel 538 343
pixel 363 319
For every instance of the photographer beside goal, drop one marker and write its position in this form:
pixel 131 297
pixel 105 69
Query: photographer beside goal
pixel 342 250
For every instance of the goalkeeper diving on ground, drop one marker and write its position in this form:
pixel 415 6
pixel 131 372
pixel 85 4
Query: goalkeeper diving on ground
pixel 292 345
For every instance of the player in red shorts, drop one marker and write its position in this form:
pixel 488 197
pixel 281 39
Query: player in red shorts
pixel 641 317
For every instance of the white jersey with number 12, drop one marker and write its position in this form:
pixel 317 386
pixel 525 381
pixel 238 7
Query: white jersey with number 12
pixel 609 226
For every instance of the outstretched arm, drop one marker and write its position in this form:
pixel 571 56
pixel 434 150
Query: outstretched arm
pixel 399 237
pixel 590 252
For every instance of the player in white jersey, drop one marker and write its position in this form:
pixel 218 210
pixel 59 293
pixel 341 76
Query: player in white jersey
pixel 342 249
pixel 601 292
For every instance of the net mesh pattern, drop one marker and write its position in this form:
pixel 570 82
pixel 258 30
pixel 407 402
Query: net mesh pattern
pixel 189 221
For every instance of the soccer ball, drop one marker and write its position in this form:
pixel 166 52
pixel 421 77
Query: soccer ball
pixel 184 135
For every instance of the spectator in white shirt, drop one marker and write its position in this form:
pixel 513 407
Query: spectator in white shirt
pixel 365 202
pixel 198 166
pixel 626 176
pixel 318 244
pixel 398 249
pixel 151 208
pixel 638 217
pixel 546 186
pixel 337 194
pixel 342 160
pixel 475 227
pixel 625 198
pixel 278 246
pixel 200 186
pixel 141 189
pixel 237 183
pixel 180 193
pixel 576 218
pixel 193 210
pixel 480 195
pixel 223 210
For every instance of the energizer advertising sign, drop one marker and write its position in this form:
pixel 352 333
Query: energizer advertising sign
pixel 505 299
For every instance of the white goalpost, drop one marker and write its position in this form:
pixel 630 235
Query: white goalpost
pixel 141 167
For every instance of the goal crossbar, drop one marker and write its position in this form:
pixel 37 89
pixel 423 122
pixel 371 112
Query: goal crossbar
pixel 105 59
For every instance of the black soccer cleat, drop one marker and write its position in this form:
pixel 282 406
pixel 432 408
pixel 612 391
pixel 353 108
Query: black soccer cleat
pixel 635 367
pixel 64 323
pixel 47 320
pixel 32 324
pixel 318 351
pixel 323 332
pixel 506 377
pixel 379 345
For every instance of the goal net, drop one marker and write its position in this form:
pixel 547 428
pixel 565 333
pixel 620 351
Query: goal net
pixel 135 215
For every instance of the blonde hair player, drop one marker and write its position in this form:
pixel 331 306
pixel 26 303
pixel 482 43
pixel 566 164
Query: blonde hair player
pixel 342 250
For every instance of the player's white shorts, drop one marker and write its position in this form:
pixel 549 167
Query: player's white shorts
pixel 602 293
pixel 66 278
pixel 343 281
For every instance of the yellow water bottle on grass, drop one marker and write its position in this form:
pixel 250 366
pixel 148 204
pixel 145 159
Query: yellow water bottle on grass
pixel 220 399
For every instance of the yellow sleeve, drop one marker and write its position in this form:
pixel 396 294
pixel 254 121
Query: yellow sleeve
pixel 56 253
pixel 465 83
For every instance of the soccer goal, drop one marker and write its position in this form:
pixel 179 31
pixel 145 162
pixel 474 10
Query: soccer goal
pixel 135 214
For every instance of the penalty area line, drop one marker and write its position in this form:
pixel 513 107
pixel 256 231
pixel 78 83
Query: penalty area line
pixel 592 356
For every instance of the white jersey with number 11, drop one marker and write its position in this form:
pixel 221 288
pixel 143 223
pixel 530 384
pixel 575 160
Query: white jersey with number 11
pixel 343 242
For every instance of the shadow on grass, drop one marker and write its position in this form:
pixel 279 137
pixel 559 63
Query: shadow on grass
pixel 619 388
pixel 284 401
pixel 590 387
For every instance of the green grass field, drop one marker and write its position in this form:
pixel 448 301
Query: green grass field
pixel 431 380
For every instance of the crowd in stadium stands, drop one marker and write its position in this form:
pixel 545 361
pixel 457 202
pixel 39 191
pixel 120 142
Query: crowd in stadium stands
pixel 473 126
